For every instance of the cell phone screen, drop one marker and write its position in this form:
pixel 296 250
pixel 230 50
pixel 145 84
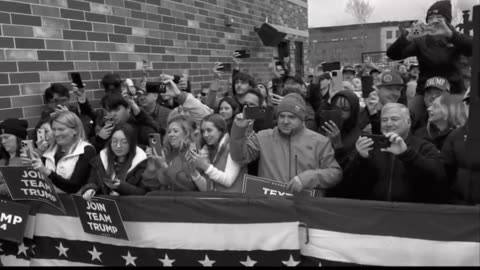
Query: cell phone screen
pixel 257 113
pixel 76 79
pixel 332 115
pixel 367 86
pixel 154 140
pixel 331 66
pixel 379 141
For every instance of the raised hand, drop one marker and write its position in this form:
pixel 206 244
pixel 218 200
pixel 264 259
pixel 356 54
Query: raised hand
pixel 364 145
pixel 398 145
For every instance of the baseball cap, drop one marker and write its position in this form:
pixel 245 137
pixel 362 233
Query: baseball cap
pixel 439 83
pixel 389 78
pixel 349 69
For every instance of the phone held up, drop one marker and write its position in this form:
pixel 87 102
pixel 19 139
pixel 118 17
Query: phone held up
pixel 155 142
pixel 27 148
pixel 76 79
pixel 225 67
pixel 242 54
pixel 258 113
pixel 379 141
pixel 332 115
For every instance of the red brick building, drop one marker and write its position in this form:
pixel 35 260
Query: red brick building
pixel 42 40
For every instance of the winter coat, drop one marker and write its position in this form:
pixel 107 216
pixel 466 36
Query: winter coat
pixel 131 185
pixel 437 56
pixel 71 172
pixel 177 177
pixel 224 174
pixel 160 116
pixel 304 153
pixel 463 174
pixel 416 176
pixel 436 136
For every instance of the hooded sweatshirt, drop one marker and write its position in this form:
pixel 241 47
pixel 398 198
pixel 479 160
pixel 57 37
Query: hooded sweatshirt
pixel 304 153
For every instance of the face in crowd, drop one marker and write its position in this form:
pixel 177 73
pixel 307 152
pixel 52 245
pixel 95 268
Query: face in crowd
pixel 348 76
pixel 288 122
pixel 241 87
pixel 210 133
pixel 119 143
pixel 119 115
pixel 176 134
pixel 397 120
pixel 344 106
pixel 147 100
pixel 389 93
pixel 48 133
pixel 292 84
pixel 262 89
pixel 431 94
pixel 435 18
pixel 226 110
pixel 9 142
pixel 437 112
pixel 251 100
pixel 64 134
pixel 58 100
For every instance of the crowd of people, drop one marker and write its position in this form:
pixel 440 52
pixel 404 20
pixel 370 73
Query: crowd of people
pixel 405 142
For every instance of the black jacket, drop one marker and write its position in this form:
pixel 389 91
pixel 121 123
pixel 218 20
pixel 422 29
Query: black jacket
pixel 416 176
pixel 436 57
pixel 464 175
pixel 436 136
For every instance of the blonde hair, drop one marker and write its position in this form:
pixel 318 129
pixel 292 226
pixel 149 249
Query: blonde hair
pixel 188 126
pixel 72 121
pixel 456 111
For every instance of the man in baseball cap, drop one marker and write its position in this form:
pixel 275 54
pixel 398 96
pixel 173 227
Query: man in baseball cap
pixel 389 91
pixel 435 87
pixel 147 99
pixel 349 73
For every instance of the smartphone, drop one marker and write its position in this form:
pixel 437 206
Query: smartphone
pixel 331 66
pixel 258 113
pixel 76 79
pixel 367 86
pixel 337 78
pixel 277 86
pixel 155 142
pixel 332 115
pixel 40 135
pixel 243 53
pixel 193 147
pixel 379 141
pixel 225 67
pixel 153 87
pixel 27 147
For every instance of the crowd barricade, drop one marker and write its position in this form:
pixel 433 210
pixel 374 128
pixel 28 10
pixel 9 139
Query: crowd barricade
pixel 213 229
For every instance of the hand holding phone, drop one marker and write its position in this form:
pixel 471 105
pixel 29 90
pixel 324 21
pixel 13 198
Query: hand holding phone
pixel 27 148
pixel 334 116
pixel 225 67
pixel 367 86
pixel 77 79
pixel 155 142
pixel 379 141
pixel 258 113
pixel 241 54
pixel 193 147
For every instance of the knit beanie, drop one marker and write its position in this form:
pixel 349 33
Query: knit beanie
pixel 293 103
pixel 15 127
pixel 443 8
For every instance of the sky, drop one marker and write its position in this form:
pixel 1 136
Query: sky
pixel 332 12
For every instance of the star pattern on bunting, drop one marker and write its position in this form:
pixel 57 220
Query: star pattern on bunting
pixel 167 262
pixel 129 259
pixel 291 262
pixel 249 262
pixel 32 248
pixel 207 262
pixel 1 250
pixel 22 249
pixel 62 250
pixel 95 254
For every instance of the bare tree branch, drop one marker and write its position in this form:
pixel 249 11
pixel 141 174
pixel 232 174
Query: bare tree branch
pixel 361 10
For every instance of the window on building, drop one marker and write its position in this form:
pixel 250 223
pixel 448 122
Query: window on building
pixel 397 34
pixel 389 34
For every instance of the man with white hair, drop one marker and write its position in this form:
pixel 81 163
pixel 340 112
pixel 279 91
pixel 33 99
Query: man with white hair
pixel 409 170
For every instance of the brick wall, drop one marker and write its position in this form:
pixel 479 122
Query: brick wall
pixel 42 40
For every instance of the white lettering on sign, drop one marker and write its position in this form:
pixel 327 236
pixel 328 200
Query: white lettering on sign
pixel 9 218
pixel 32 174
pixel 39 193
pixel 96 206
pixel 3 226
pixel 102 227
pixel 36 184
pixel 99 217
pixel 272 192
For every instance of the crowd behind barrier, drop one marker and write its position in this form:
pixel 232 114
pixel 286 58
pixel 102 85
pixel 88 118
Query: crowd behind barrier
pixel 359 133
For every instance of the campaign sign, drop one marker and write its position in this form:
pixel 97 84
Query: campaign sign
pixel 13 221
pixel 261 186
pixel 100 217
pixel 26 183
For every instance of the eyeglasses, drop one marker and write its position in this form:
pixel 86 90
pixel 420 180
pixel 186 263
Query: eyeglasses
pixel 121 142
